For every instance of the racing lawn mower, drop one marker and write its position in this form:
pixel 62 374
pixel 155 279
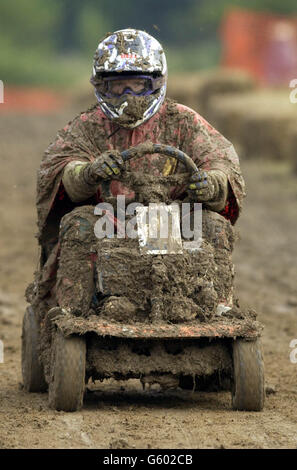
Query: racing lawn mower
pixel 156 315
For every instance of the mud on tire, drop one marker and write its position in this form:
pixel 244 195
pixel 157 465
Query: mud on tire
pixel 248 376
pixel 66 388
pixel 32 369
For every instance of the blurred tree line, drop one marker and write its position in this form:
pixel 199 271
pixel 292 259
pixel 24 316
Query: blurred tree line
pixel 34 33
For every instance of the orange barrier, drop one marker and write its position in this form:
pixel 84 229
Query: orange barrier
pixel 31 100
pixel 263 44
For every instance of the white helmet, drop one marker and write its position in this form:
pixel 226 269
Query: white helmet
pixel 130 53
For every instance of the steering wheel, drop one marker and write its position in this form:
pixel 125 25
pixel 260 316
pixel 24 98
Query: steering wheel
pixel 168 150
pixel 150 188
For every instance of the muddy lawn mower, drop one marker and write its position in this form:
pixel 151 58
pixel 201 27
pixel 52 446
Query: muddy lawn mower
pixel 142 326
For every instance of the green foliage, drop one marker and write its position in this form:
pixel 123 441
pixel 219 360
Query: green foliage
pixel 34 68
pixel 34 34
pixel 210 13
pixel 202 55
pixel 28 23
pixel 92 27
pixel 181 22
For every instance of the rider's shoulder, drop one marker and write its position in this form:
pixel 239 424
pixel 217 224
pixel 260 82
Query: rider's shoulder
pixel 93 113
pixel 189 116
pixel 183 111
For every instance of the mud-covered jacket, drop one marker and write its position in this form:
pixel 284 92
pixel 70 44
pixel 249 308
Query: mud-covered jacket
pixel 92 133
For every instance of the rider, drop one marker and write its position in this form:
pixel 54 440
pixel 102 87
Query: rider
pixel 130 78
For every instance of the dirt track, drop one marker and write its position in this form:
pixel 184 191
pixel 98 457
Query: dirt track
pixel 121 414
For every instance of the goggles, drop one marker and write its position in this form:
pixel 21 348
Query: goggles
pixel 136 85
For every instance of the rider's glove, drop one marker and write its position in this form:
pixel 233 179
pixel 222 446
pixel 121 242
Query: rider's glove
pixel 210 187
pixel 106 166
pixel 81 179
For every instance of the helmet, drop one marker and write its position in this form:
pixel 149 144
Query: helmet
pixel 126 54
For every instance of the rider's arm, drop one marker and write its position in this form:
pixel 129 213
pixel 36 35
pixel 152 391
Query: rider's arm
pixel 81 180
pixel 211 151
pixel 75 184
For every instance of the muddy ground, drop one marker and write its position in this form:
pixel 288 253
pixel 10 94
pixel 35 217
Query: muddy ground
pixel 122 414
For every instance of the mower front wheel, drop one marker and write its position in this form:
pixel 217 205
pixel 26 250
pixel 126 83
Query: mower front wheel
pixel 66 388
pixel 248 376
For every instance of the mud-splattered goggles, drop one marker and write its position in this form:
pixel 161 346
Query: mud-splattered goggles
pixel 136 85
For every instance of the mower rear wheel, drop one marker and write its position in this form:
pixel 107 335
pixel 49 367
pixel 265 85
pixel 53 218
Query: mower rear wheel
pixel 67 385
pixel 248 376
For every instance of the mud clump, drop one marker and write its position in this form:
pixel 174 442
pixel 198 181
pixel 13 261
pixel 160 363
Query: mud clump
pixel 173 288
pixel 132 358
pixel 119 308
pixel 123 279
pixel 133 110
